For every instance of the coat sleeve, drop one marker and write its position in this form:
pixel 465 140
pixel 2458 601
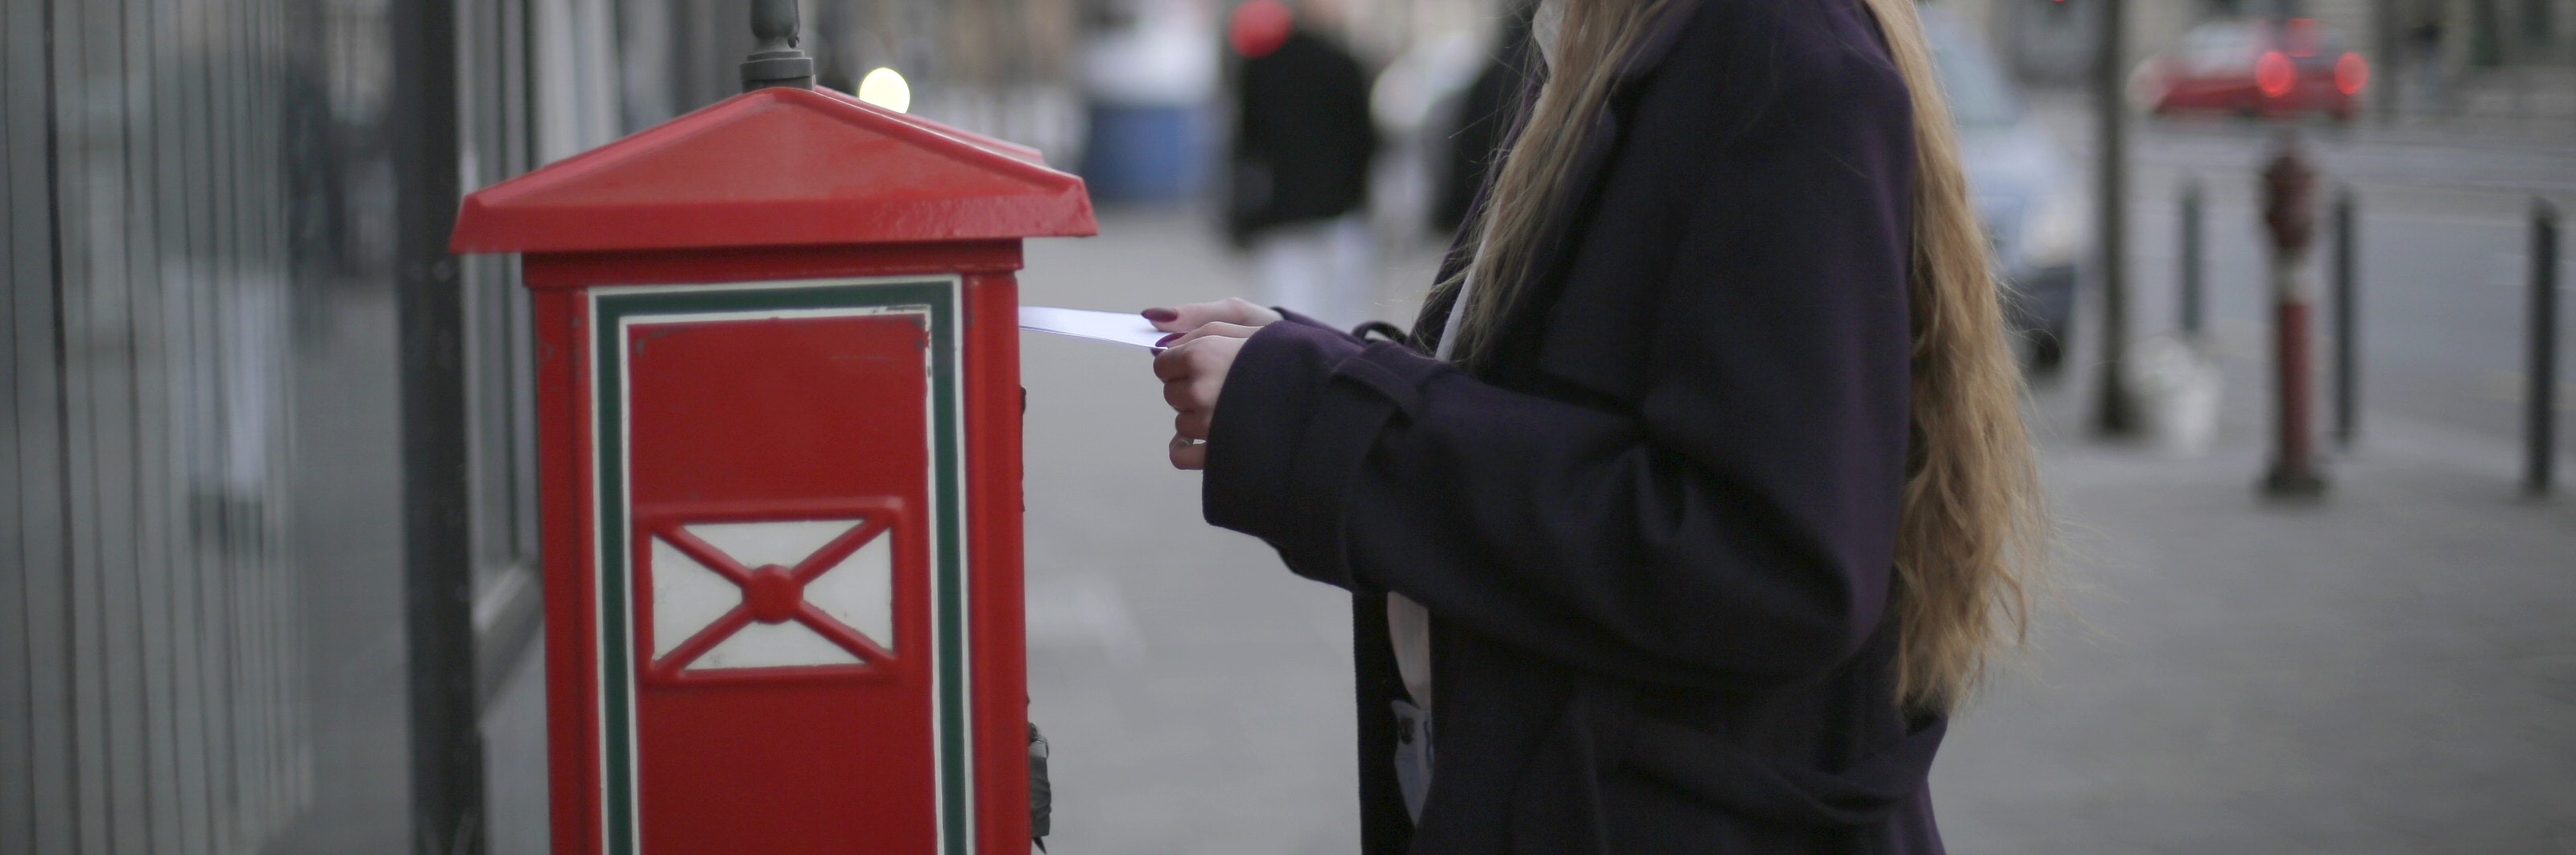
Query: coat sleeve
pixel 1734 529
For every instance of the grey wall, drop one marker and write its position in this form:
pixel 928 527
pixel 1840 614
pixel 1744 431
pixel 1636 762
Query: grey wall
pixel 205 638
pixel 149 632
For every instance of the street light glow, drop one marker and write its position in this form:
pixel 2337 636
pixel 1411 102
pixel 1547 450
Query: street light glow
pixel 884 87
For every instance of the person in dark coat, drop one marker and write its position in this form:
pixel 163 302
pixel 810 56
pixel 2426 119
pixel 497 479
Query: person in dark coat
pixel 1303 144
pixel 1699 492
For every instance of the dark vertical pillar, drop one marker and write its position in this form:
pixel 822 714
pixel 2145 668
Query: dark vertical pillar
pixel 2486 34
pixel 2541 403
pixel 2195 299
pixel 438 581
pixel 2347 323
pixel 2115 414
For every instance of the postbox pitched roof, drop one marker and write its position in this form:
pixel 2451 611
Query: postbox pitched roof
pixel 779 167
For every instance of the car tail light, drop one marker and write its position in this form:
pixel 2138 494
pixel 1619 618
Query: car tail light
pixel 2351 74
pixel 2274 75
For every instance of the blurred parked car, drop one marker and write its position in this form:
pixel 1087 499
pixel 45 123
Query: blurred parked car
pixel 2029 195
pixel 2255 68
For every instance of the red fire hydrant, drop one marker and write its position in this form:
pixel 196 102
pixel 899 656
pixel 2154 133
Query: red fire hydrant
pixel 2290 213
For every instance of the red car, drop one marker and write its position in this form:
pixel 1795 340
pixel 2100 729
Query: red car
pixel 2255 68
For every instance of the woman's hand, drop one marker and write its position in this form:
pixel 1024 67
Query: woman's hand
pixel 1193 369
pixel 1193 361
pixel 1189 316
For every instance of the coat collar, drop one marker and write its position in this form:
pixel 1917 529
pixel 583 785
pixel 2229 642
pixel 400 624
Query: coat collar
pixel 1651 50
pixel 1659 39
pixel 1585 174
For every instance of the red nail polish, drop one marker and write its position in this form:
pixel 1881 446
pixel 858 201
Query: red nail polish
pixel 1162 316
pixel 1167 340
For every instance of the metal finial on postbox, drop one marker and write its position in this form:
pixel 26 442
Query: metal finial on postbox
pixel 776 61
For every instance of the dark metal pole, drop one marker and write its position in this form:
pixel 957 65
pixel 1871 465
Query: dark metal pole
pixel 2541 403
pixel 2194 287
pixel 2115 414
pixel 2347 323
pixel 438 579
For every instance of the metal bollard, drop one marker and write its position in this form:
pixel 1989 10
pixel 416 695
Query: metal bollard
pixel 2194 293
pixel 2290 213
pixel 2541 403
pixel 2347 323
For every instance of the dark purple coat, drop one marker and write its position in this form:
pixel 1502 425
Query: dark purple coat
pixel 1656 534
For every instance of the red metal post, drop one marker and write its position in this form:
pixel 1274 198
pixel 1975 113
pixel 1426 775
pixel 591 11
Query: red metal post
pixel 2289 211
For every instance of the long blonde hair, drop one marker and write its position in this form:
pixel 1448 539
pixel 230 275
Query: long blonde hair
pixel 1972 539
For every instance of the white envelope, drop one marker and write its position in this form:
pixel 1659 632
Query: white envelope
pixel 1126 328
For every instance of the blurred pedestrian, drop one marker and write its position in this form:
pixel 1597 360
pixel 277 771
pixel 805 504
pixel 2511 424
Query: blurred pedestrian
pixel 2424 48
pixel 1699 493
pixel 1302 146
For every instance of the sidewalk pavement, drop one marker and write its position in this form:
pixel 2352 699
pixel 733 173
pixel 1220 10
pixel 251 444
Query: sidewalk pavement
pixel 349 541
pixel 2392 670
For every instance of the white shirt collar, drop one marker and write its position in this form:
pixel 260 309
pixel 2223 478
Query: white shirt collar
pixel 1544 27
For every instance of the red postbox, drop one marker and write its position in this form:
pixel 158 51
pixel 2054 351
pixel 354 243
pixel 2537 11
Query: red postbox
pixel 778 360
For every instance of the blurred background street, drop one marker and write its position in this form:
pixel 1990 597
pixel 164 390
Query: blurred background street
pixel 267 534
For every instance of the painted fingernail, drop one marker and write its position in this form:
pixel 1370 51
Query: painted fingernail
pixel 1161 315
pixel 1167 340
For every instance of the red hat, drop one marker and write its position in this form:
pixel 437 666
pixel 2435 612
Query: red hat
pixel 1260 27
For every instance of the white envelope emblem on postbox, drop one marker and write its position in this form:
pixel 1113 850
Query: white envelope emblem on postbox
pixel 771 594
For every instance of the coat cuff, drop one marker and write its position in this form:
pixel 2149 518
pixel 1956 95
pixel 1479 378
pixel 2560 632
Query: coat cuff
pixel 1295 317
pixel 1301 407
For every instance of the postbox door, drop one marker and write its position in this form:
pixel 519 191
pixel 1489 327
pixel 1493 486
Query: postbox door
pixel 782 571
